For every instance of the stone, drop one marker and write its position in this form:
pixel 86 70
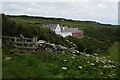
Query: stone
pixel 7 58
pixel 41 41
pixel 52 45
pixel 77 51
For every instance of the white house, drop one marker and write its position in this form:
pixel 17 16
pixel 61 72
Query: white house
pixel 58 29
pixel 65 31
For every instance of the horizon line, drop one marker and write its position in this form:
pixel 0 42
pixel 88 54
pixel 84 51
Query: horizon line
pixel 104 23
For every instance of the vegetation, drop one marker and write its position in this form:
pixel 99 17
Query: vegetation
pixel 100 39
pixel 112 52
pixel 12 28
pixel 48 65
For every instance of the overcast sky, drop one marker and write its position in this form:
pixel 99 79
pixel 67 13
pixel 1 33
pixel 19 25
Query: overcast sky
pixel 102 11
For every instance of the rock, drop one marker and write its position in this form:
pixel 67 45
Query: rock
pixel 40 44
pixel 63 52
pixel 74 45
pixel 63 47
pixel 41 41
pixel 49 49
pixel 77 51
pixel 73 52
pixel 52 45
pixel 7 58
pixel 47 43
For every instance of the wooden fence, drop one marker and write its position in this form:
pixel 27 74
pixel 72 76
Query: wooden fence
pixel 20 44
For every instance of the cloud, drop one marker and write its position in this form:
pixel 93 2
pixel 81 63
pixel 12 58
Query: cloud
pixel 105 12
pixel 59 1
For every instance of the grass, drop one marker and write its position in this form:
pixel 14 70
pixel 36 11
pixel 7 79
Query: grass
pixel 48 65
pixel 66 22
pixel 25 66
pixel 25 20
pixel 112 52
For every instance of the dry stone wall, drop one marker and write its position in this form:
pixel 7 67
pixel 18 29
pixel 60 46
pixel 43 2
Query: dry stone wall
pixel 55 48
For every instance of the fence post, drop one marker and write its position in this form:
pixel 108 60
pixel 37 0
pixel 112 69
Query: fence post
pixel 36 39
pixel 15 41
pixel 36 44
pixel 21 39
pixel 15 45
pixel 33 43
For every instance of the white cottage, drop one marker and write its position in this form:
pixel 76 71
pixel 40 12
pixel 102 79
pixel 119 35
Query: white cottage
pixel 54 27
pixel 65 31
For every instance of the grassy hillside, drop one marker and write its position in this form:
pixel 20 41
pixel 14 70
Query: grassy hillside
pixel 100 39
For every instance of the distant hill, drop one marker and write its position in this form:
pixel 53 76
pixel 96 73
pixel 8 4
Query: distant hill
pixel 60 20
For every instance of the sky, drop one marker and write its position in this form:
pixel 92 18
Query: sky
pixel 102 11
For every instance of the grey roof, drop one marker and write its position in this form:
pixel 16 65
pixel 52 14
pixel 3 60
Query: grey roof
pixel 64 29
pixel 73 30
pixel 51 26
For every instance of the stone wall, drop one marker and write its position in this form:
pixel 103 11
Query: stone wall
pixel 55 48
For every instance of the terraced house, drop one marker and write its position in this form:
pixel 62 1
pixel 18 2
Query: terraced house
pixel 65 31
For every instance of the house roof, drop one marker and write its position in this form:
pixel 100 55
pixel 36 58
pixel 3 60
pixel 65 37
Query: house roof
pixel 73 30
pixel 63 29
pixel 51 26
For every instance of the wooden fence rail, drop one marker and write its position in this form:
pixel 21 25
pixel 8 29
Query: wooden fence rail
pixel 20 44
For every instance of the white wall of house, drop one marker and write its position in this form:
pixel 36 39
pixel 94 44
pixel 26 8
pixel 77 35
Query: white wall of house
pixel 58 29
pixel 64 34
